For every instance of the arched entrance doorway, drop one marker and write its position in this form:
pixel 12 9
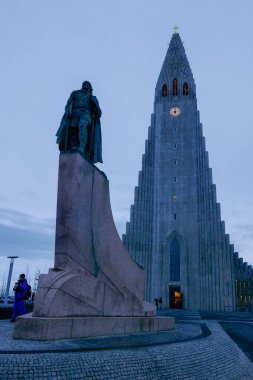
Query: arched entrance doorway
pixel 175 271
pixel 175 297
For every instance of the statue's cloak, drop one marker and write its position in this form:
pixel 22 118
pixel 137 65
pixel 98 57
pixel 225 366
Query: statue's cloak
pixel 63 129
pixel 93 149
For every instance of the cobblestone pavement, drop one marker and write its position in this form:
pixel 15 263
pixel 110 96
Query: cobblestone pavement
pixel 242 335
pixel 239 326
pixel 214 356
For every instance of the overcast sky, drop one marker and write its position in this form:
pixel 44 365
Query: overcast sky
pixel 49 47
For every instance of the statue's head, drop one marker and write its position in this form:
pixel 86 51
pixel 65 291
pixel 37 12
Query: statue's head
pixel 86 87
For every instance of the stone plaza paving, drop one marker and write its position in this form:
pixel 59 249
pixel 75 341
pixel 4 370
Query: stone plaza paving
pixel 196 349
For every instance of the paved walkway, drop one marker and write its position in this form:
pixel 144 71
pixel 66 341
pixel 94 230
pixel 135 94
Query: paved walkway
pixel 195 350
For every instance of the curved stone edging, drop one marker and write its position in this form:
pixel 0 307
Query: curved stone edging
pixel 119 342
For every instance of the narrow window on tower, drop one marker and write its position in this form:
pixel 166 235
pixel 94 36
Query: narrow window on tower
pixel 175 162
pixel 175 216
pixel 175 260
pixel 175 129
pixel 164 90
pixel 175 146
pixel 174 87
pixel 175 179
pixel 185 89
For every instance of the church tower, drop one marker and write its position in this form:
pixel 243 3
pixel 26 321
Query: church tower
pixel 175 230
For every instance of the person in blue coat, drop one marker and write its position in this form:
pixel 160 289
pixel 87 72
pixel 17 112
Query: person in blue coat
pixel 20 289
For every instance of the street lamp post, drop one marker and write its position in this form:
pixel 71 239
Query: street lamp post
pixel 9 278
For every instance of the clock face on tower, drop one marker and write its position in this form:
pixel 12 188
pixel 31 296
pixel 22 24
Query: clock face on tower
pixel 175 111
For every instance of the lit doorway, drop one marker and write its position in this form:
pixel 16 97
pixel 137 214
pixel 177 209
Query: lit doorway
pixel 175 297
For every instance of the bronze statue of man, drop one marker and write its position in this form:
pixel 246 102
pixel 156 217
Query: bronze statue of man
pixel 80 128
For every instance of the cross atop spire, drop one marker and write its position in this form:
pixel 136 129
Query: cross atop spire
pixel 175 29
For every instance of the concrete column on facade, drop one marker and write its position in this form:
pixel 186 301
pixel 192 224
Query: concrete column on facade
pixel 200 209
pixel 127 227
pixel 212 239
pixel 144 205
pixel 245 285
pixel 133 229
pixel 151 205
pixel 250 271
pixel 140 216
pixel 248 287
pixel 204 230
pixel 146 218
pixel 228 273
pixel 148 206
pixel 208 232
pixel 216 251
pixel 232 273
pixel 241 282
pixel 236 274
pixel 219 256
pixel 144 212
pixel 125 237
pixel 222 289
pixel 226 294
pixel 209 253
pixel 224 266
pixel 207 267
pixel 156 208
pixel 212 221
pixel 231 277
pixel 136 211
pixel 131 248
pixel 130 241
pixel 146 202
pixel 150 209
pixel 202 224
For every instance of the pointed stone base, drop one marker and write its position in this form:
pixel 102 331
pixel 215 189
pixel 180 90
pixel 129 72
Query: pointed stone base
pixel 95 287
pixel 36 328
pixel 93 274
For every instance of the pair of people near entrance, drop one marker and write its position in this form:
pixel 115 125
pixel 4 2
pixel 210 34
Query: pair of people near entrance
pixel 80 128
pixel 20 289
pixel 158 302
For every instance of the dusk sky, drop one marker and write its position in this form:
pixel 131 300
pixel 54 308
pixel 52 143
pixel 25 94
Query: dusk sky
pixel 49 47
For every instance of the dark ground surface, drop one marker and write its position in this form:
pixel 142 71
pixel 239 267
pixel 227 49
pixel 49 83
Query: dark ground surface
pixel 6 311
pixel 238 325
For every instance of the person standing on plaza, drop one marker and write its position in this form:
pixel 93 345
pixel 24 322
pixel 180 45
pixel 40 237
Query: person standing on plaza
pixel 20 289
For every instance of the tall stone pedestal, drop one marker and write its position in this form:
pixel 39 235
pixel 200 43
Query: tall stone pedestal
pixel 94 279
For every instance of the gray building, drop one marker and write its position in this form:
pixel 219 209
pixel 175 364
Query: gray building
pixel 243 284
pixel 175 230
